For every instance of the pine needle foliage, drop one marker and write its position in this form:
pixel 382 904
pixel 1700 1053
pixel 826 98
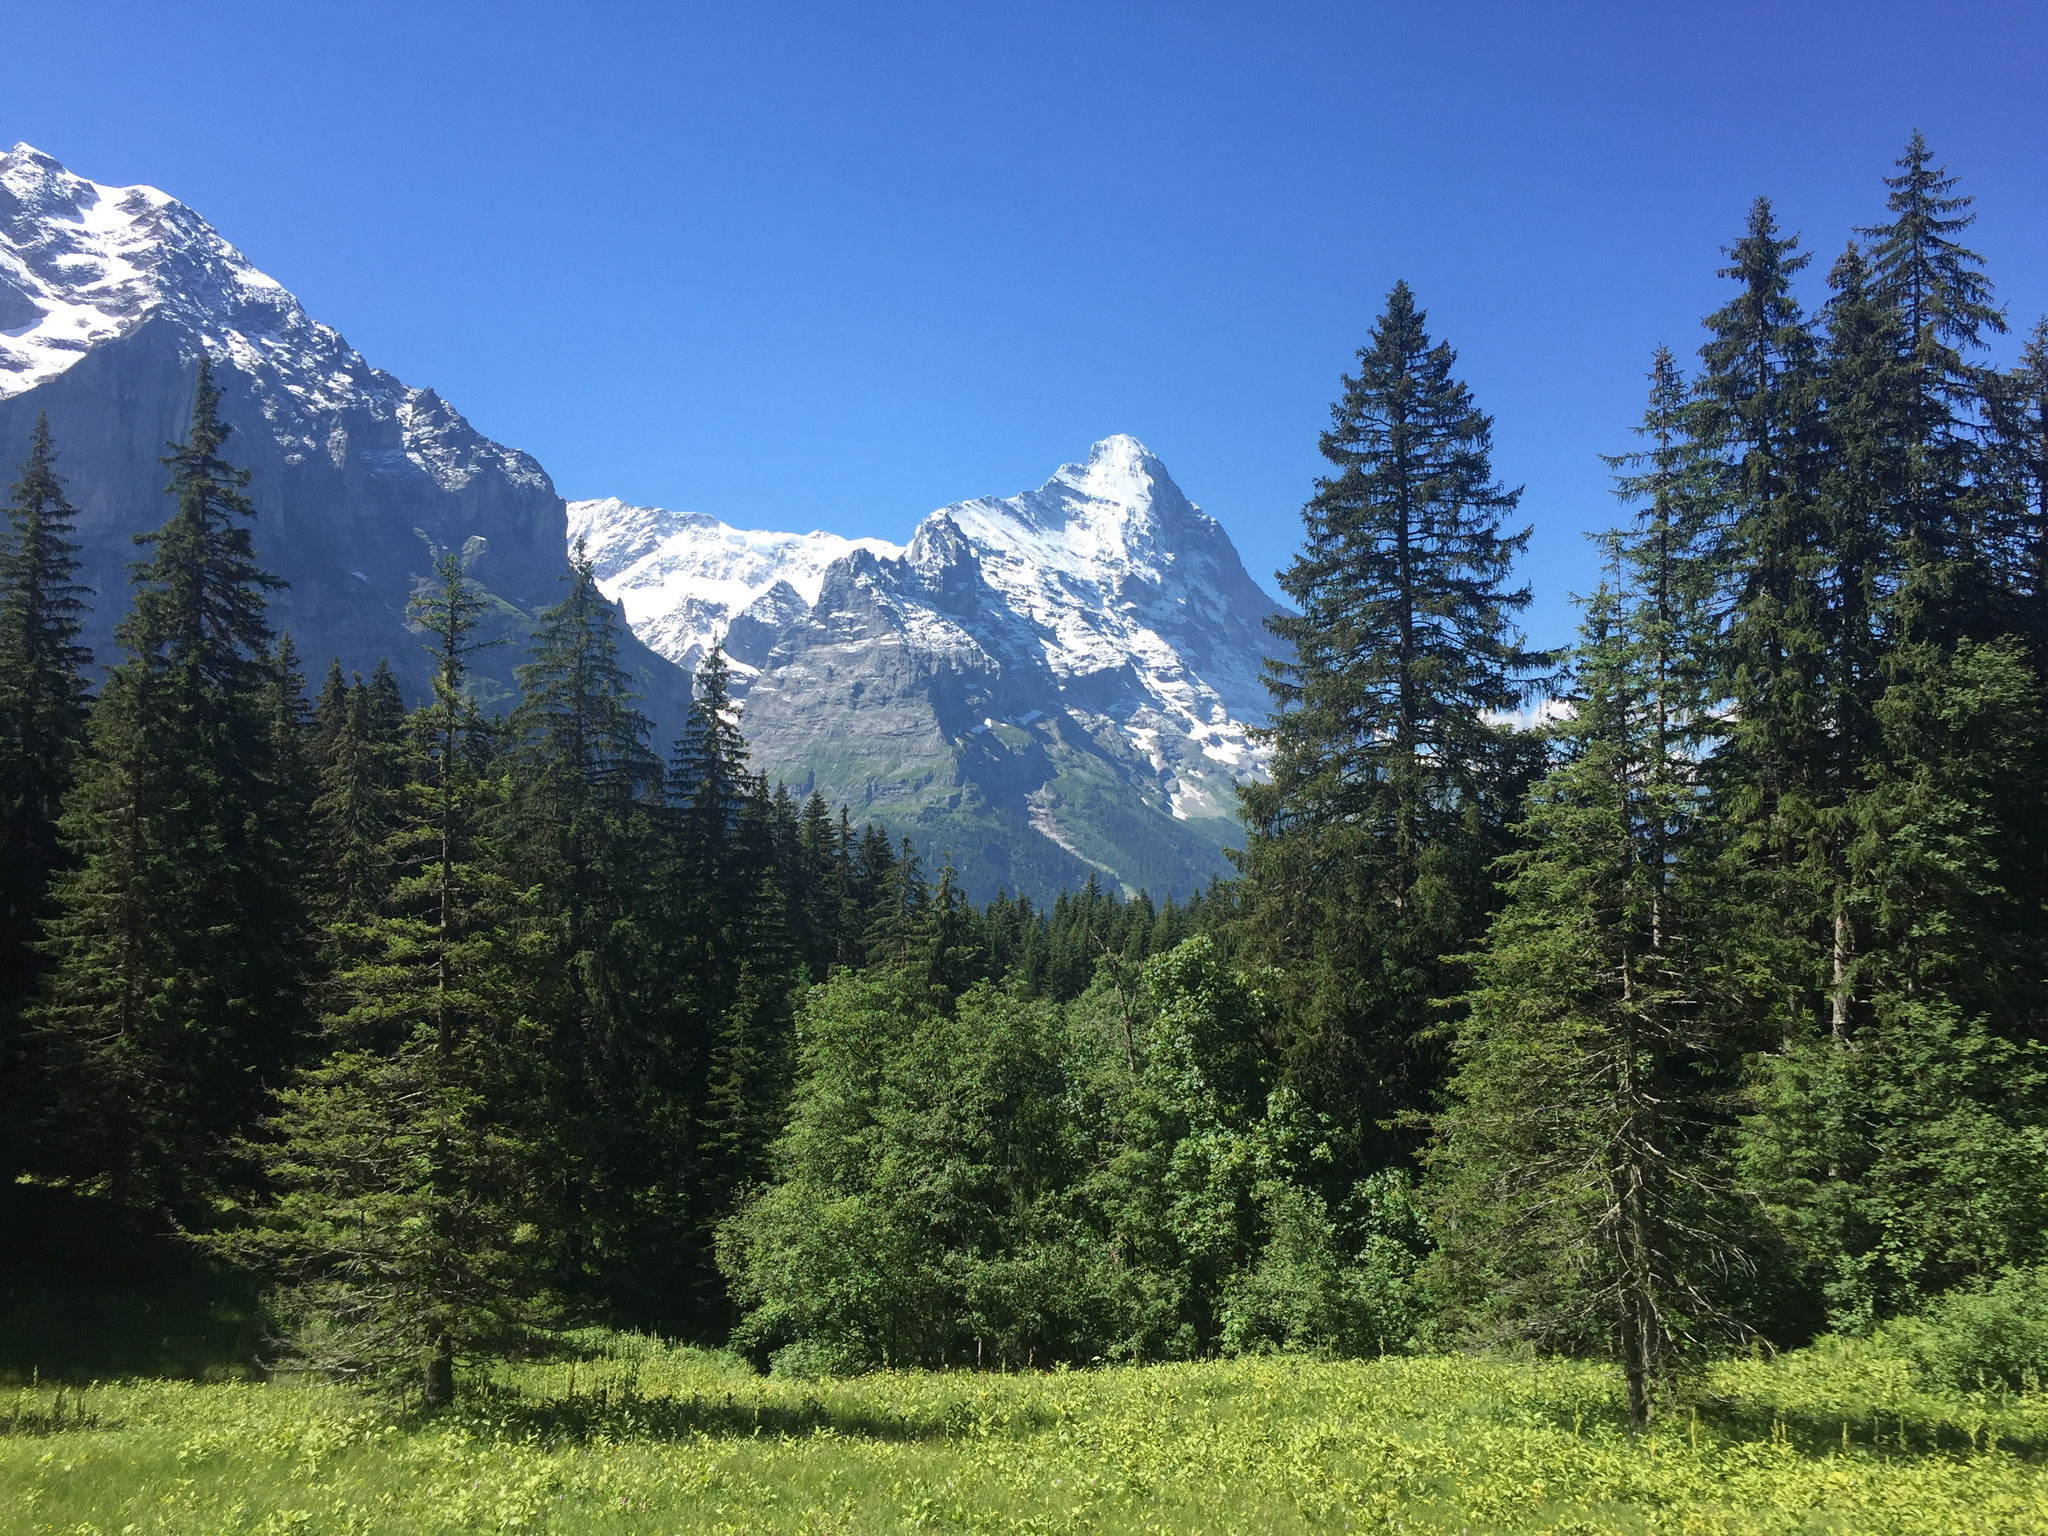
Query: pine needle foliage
pixel 402 1225
pixel 579 834
pixel 42 728
pixel 1392 781
pixel 176 991
pixel 1943 302
pixel 1580 1176
pixel 42 699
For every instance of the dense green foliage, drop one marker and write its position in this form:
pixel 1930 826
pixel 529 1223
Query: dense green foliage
pixel 178 946
pixel 1677 997
pixel 441 1024
pixel 998 1179
pixel 1577 1173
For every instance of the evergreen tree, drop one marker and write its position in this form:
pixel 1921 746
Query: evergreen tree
pixel 1862 482
pixel 294 774
pixel 387 704
pixel 1843 591
pixel 744 1092
pixel 821 885
pixel 179 944
pixel 42 726
pixel 707 772
pixel 1367 853
pixel 1755 428
pixel 1900 822
pixel 361 787
pixel 1937 289
pixel 42 700
pixel 945 944
pixel 580 834
pixel 330 709
pixel 1900 1151
pixel 747 1070
pixel 1574 1174
pixel 2017 486
pixel 728 968
pixel 1580 1175
pixel 897 915
pixel 403 1225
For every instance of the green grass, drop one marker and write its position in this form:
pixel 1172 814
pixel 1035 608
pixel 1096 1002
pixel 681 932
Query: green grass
pixel 637 1437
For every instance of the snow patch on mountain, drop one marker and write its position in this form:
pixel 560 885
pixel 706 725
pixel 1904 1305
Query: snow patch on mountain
pixel 1042 684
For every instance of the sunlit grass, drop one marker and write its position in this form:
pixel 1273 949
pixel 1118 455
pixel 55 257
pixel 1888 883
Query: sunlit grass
pixel 642 1438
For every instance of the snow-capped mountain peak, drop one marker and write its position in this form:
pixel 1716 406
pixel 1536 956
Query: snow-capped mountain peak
pixel 1114 527
pixel 83 265
pixel 1120 473
pixel 110 295
pixel 1042 684
pixel 1016 652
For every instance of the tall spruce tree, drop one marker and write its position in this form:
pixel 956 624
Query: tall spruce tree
pixel 708 774
pixel 361 776
pixel 1942 301
pixel 580 833
pixel 403 1225
pixel 1861 467
pixel 1368 851
pixel 42 698
pixel 330 709
pixel 709 887
pixel 294 773
pixel 1755 426
pixel 175 997
pixel 42 726
pixel 1888 821
pixel 1898 1143
pixel 1580 1175
pixel 2017 488
pixel 727 969
pixel 821 890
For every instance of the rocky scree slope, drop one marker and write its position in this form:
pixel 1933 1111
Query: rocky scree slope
pixel 108 295
pixel 1042 687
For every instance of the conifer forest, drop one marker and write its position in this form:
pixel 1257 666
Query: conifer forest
pixel 1667 1006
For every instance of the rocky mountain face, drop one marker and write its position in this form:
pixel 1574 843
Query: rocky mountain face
pixel 1042 687
pixel 108 295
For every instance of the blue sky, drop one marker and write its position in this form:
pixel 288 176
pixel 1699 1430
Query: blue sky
pixel 835 265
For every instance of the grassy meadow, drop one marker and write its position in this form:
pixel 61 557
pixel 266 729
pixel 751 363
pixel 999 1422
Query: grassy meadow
pixel 623 1434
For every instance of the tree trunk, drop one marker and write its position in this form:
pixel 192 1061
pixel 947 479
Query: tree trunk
pixel 1635 1367
pixel 437 1379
